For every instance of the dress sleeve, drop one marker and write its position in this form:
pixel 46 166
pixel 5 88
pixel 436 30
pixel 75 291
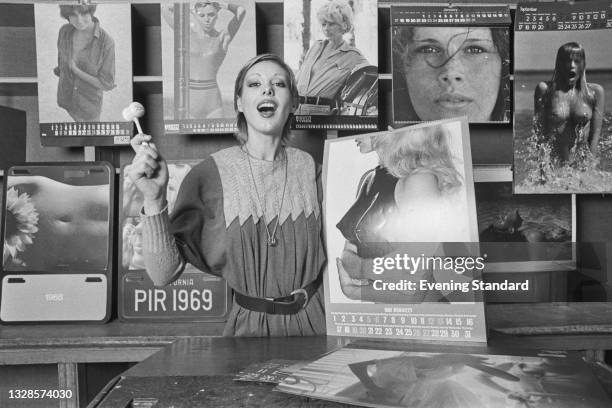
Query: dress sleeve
pixel 197 221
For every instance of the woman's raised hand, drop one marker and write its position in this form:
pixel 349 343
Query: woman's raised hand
pixel 149 173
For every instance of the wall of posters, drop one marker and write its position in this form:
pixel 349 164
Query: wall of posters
pixel 84 69
pixel 203 48
pixel 449 62
pixel 563 89
pixel 332 47
pixel 398 205
pixel 194 296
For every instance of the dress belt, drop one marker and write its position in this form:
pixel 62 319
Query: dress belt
pixel 285 305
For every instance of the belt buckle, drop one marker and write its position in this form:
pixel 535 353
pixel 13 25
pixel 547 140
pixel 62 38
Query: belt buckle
pixel 306 297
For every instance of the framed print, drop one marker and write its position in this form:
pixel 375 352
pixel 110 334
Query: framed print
pixel 194 296
pixel 204 45
pixel 401 234
pixel 332 47
pixel 563 91
pixel 84 70
pixel 450 61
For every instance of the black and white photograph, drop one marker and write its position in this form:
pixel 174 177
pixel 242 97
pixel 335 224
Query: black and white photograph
pixel 84 66
pixel 204 44
pixel 450 62
pixel 56 219
pixel 332 47
pixel 535 230
pixel 196 296
pixel 563 91
pixel 389 378
pixel 406 191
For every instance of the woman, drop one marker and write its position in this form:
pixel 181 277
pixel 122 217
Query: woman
pixel 207 50
pixel 85 63
pixel 426 209
pixel 569 110
pixel 445 72
pixel 249 213
pixel 329 62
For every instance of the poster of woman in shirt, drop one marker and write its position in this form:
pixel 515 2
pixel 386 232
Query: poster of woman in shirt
pixel 84 66
pixel 204 44
pixel 332 46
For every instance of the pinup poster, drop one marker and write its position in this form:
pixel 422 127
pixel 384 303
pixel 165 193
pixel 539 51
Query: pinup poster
pixel 393 378
pixel 332 47
pixel 401 235
pixel 194 296
pixel 204 45
pixel 57 218
pixel 526 232
pixel 57 242
pixel 84 69
pixel 563 96
pixel 450 61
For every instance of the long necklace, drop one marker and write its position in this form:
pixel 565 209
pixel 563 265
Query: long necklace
pixel 271 235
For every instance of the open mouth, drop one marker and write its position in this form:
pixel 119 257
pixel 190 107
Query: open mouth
pixel 572 75
pixel 266 108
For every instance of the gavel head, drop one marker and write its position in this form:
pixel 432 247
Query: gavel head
pixel 133 111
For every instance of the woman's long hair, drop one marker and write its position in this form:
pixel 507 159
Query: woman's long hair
pixel 424 149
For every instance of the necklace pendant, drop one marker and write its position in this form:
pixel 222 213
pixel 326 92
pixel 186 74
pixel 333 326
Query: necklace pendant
pixel 272 242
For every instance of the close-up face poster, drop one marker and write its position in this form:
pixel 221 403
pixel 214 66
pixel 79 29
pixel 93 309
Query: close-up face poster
pixel 332 48
pixel 203 46
pixel 563 91
pixel 84 73
pixel 450 62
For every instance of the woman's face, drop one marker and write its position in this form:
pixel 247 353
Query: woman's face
pixel 574 68
pixel 332 30
pixel 364 144
pixel 208 17
pixel 266 100
pixel 80 21
pixel 453 71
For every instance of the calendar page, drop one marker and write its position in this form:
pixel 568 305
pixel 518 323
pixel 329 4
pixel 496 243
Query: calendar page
pixel 335 65
pixel 562 93
pixel 450 61
pixel 84 73
pixel 404 259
